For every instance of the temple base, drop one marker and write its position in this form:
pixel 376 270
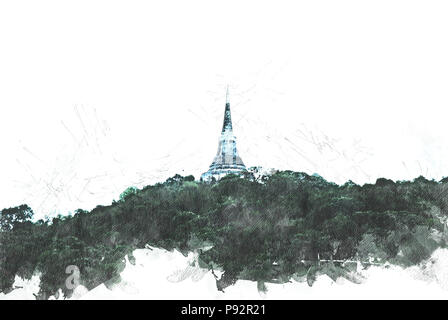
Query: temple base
pixel 217 174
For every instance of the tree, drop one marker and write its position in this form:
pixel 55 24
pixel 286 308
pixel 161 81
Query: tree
pixel 127 193
pixel 9 218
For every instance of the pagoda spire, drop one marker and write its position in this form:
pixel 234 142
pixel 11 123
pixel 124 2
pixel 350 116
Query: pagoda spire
pixel 227 125
pixel 227 159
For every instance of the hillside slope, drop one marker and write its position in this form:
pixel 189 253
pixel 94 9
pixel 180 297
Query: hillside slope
pixel 267 229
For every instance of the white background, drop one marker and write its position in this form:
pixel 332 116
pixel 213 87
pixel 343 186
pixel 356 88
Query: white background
pixel 96 96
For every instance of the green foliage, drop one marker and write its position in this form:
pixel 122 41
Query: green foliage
pixel 9 218
pixel 127 193
pixel 265 228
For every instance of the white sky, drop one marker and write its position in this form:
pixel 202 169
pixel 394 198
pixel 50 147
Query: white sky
pixel 99 95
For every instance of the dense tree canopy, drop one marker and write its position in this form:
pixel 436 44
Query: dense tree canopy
pixel 270 228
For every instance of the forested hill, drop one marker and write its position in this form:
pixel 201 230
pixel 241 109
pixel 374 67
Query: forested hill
pixel 268 229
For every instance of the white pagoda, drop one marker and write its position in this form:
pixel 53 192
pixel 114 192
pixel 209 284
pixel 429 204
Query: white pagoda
pixel 227 159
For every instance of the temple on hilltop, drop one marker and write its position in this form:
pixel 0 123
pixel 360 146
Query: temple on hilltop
pixel 227 159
